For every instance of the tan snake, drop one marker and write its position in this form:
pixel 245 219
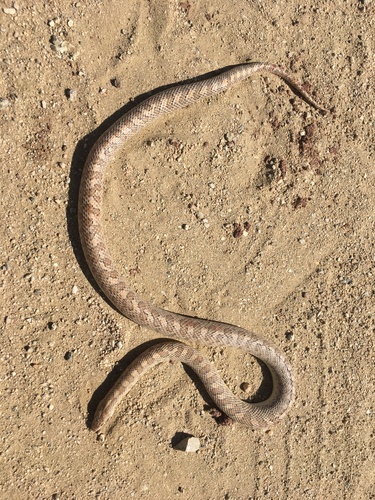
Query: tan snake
pixel 175 326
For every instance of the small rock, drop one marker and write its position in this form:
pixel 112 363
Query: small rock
pixel 188 444
pixel 75 289
pixel 9 10
pixel 300 202
pixel 245 387
pixel 61 46
pixel 237 230
pixel 70 94
pixel 116 83
pixel 289 336
pixel 68 356
pixel 4 103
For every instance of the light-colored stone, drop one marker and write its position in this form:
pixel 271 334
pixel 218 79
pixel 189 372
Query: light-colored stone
pixel 188 444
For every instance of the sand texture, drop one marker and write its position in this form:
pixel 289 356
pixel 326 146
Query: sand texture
pixel 249 207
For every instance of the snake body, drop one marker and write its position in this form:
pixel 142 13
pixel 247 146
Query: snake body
pixel 172 325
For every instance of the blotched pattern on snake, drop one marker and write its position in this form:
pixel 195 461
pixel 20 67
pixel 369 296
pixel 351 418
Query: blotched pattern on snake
pixel 172 325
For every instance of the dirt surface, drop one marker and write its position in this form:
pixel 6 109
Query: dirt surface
pixel 249 207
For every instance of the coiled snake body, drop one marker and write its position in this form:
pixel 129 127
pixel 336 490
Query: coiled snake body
pixel 175 326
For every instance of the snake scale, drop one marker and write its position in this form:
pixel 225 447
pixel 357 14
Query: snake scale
pixel 172 325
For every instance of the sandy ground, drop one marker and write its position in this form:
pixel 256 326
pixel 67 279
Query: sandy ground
pixel 301 275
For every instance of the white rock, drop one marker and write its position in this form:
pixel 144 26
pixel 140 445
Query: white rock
pixel 9 10
pixel 188 444
pixel 4 103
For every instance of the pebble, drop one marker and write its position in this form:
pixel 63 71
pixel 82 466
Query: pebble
pixel 229 136
pixel 188 444
pixel 75 289
pixel 71 94
pixel 238 231
pixel 4 103
pixel 289 336
pixel 61 46
pixel 9 10
pixel 68 356
pixel 245 387
pixel 116 83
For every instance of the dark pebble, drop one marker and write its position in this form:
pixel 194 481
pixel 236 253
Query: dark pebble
pixel 116 83
pixel 68 356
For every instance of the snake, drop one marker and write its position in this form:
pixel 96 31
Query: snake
pixel 180 329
